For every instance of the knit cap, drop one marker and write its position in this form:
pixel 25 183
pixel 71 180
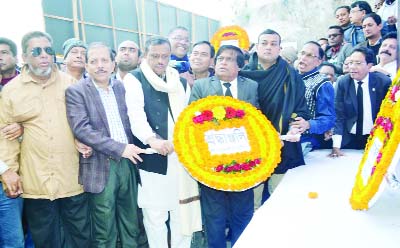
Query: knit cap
pixel 71 43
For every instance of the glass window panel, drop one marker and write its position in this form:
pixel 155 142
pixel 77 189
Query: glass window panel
pixel 60 31
pixel 99 34
pixel 151 20
pixel 58 8
pixel 201 28
pixel 167 19
pixel 125 15
pixel 97 11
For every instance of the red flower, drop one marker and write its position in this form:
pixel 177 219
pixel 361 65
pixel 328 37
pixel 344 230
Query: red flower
pixel 228 168
pixel 198 119
pixel 239 113
pixel 257 161
pixel 378 158
pixel 373 170
pixel 236 167
pixel 246 167
pixel 379 120
pixel 219 168
pixel 252 163
pixel 207 115
pixel 230 113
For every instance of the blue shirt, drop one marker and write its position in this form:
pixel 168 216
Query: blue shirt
pixel 182 64
pixel 325 115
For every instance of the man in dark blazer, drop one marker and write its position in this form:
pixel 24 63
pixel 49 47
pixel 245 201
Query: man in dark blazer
pixel 354 121
pixel 221 206
pixel 97 114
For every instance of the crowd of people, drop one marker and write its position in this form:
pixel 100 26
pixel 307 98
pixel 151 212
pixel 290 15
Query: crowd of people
pixel 86 149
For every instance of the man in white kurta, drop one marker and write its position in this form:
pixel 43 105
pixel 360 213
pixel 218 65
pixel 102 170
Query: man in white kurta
pixel 155 96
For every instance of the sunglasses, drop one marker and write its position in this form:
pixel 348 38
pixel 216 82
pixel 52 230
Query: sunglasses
pixel 36 51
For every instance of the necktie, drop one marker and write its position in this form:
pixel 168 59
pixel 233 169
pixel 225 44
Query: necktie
pixel 228 90
pixel 360 111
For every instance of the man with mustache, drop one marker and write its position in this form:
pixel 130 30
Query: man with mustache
pixel 46 159
pixel 97 114
pixel 387 56
pixel 359 95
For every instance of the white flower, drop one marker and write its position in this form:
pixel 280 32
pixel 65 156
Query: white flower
pixel 397 96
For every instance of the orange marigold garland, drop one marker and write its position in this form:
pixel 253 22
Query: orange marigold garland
pixel 231 33
pixel 386 130
pixel 235 171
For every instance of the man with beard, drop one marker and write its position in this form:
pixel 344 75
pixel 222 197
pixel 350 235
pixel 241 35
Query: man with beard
pixel 337 50
pixel 128 58
pixel 281 95
pixel 372 26
pixel 387 56
pixel 46 159
pixel 74 58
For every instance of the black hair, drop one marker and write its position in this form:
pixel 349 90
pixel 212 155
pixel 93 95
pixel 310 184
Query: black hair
pixel 11 44
pixel 337 27
pixel 269 31
pixel 376 17
pixel 212 49
pixel 239 54
pixel 362 5
pixel 368 53
pixel 321 52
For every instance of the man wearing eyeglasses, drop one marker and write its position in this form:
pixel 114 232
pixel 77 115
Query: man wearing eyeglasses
pixel 128 58
pixel 46 159
pixel 155 99
pixel 222 206
pixel 179 39
pixel 337 50
pixel 320 98
pixel 355 35
pixel 358 98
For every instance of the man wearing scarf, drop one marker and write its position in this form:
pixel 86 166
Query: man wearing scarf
pixel 155 100
pixel 281 94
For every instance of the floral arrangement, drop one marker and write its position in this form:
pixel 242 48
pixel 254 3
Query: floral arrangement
pixel 217 114
pixel 387 131
pixel 231 33
pixel 236 171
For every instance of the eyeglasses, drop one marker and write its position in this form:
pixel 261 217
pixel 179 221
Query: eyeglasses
pixel 356 63
pixel 307 55
pixel 179 38
pixel 227 59
pixel 333 35
pixel 36 51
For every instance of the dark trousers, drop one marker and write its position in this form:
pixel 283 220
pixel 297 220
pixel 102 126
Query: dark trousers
pixel 63 222
pixel 356 142
pixel 114 211
pixel 219 207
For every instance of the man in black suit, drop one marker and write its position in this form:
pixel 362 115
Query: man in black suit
pixel 358 98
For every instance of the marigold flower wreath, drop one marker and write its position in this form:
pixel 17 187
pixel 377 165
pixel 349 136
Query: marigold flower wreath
pixel 387 131
pixel 231 33
pixel 236 171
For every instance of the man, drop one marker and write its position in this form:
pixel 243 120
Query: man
pixel 389 14
pixel 329 71
pixel 355 35
pixel 128 58
pixel 320 98
pixel 323 42
pixel 48 161
pixel 281 94
pixel 74 58
pixel 97 114
pixel 201 59
pixel 220 206
pixel 337 50
pixel 387 56
pixel 358 98
pixel 372 26
pixel 8 61
pixel 155 100
pixel 179 39
pixel 342 14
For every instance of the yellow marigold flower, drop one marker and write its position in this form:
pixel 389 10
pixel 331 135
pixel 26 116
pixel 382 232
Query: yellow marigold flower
pixel 219 112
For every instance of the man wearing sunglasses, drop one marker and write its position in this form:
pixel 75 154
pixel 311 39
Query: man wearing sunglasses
pixel 46 159
pixel 337 50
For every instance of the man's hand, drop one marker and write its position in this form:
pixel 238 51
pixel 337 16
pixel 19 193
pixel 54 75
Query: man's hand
pixel 300 124
pixel 336 153
pixel 328 135
pixel 132 152
pixel 12 131
pixel 163 147
pixel 13 183
pixel 86 151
